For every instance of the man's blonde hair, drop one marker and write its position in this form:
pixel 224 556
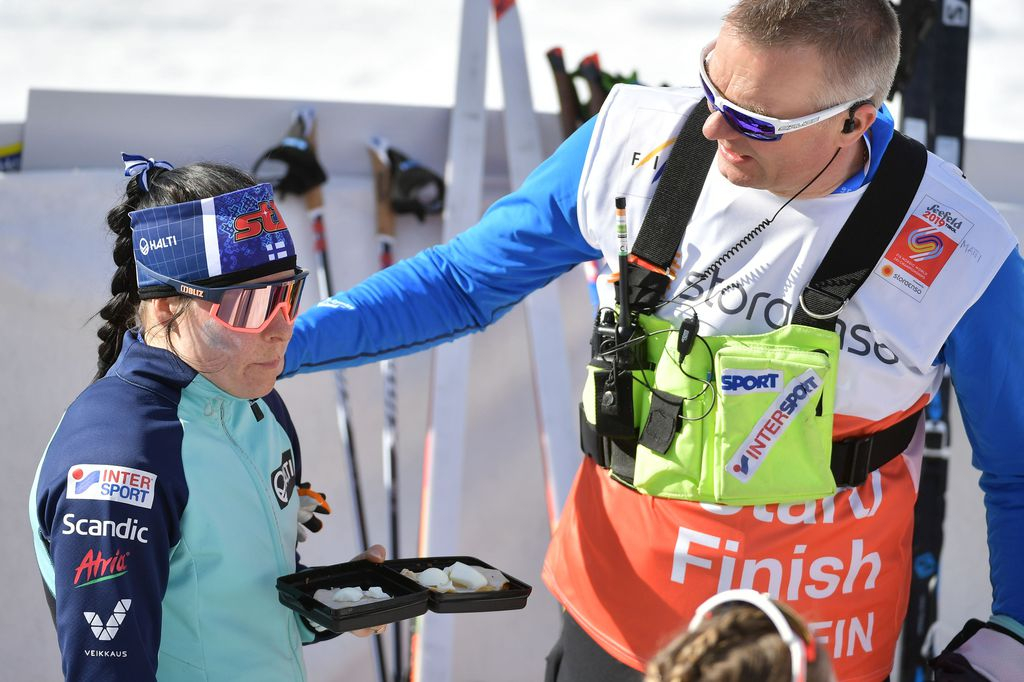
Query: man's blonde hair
pixel 858 40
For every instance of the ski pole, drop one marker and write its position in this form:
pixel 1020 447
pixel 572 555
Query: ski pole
pixel 571 113
pixel 571 116
pixel 389 450
pixel 590 69
pixel 303 133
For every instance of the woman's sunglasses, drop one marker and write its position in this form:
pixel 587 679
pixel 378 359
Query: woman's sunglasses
pixel 245 308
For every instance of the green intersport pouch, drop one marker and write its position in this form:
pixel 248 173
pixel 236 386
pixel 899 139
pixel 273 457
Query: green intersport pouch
pixel 752 416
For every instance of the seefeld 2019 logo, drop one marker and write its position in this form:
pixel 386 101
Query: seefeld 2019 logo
pixel 111 483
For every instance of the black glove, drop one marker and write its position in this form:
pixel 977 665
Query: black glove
pixel 291 167
pixel 981 652
pixel 414 188
pixel 310 502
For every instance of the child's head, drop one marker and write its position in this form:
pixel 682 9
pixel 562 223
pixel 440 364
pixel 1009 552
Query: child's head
pixel 205 264
pixel 742 635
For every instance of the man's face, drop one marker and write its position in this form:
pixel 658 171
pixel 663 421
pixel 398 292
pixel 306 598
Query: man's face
pixel 783 82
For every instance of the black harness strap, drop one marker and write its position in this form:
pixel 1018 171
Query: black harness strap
pixel 863 238
pixel 846 266
pixel 854 459
pixel 654 249
pixel 671 208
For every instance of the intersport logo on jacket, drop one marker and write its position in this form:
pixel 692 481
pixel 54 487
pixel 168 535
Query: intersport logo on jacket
pixel 111 483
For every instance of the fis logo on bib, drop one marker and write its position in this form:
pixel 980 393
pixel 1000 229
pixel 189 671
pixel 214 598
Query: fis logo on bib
pixel 772 425
pixel 111 483
pixel 642 161
pixel 653 158
pixel 741 381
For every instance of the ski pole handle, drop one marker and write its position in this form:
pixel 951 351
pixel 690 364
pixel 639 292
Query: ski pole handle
pixel 571 112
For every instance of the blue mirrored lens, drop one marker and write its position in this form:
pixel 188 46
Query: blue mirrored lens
pixel 741 123
pixel 749 126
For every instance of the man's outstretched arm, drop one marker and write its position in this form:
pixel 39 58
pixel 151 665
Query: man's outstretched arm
pixel 524 241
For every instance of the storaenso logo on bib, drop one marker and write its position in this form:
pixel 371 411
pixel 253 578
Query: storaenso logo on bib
pixel 797 395
pixel 282 479
pixel 751 381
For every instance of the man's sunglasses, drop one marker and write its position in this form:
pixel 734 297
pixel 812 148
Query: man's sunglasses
pixel 758 126
pixel 246 307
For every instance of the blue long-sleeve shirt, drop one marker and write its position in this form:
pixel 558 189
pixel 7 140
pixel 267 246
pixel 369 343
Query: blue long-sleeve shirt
pixel 532 235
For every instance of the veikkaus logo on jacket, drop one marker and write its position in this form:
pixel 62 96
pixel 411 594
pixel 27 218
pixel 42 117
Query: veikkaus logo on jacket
pixel 106 631
pixel 282 479
pixel 111 483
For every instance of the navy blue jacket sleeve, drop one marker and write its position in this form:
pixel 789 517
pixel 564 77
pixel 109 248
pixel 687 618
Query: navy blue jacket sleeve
pixel 525 240
pixel 109 498
pixel 982 357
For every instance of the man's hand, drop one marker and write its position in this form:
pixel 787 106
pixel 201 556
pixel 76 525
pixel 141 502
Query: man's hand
pixel 377 554
pixel 981 652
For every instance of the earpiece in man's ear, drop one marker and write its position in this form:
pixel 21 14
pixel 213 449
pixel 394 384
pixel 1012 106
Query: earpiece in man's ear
pixel 849 125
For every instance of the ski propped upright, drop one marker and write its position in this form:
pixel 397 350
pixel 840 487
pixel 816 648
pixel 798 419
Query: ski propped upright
pixel 444 451
pixel 933 103
pixel 293 166
pixel 556 417
pixel 382 174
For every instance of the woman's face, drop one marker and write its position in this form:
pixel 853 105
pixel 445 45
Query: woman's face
pixel 246 365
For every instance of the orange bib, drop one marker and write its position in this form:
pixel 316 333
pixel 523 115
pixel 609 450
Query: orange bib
pixel 631 568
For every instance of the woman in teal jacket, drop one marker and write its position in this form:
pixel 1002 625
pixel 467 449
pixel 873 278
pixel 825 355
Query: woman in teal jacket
pixel 167 502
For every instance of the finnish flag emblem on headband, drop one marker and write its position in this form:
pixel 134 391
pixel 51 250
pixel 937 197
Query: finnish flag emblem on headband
pixel 199 240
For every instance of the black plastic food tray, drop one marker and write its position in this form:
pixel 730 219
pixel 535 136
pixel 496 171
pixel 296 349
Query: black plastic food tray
pixel 454 602
pixel 408 599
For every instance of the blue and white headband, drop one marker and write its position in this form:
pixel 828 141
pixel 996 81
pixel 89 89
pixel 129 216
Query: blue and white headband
pixel 135 164
pixel 220 241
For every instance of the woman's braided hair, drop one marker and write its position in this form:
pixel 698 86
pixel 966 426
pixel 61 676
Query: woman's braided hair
pixel 736 644
pixel 166 187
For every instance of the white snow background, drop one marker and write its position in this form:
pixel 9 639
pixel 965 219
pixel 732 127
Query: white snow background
pixel 400 51
pixel 385 51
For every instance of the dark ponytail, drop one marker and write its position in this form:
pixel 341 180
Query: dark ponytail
pixel 166 187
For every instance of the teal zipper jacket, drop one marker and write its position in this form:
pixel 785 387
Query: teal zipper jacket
pixel 163 511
